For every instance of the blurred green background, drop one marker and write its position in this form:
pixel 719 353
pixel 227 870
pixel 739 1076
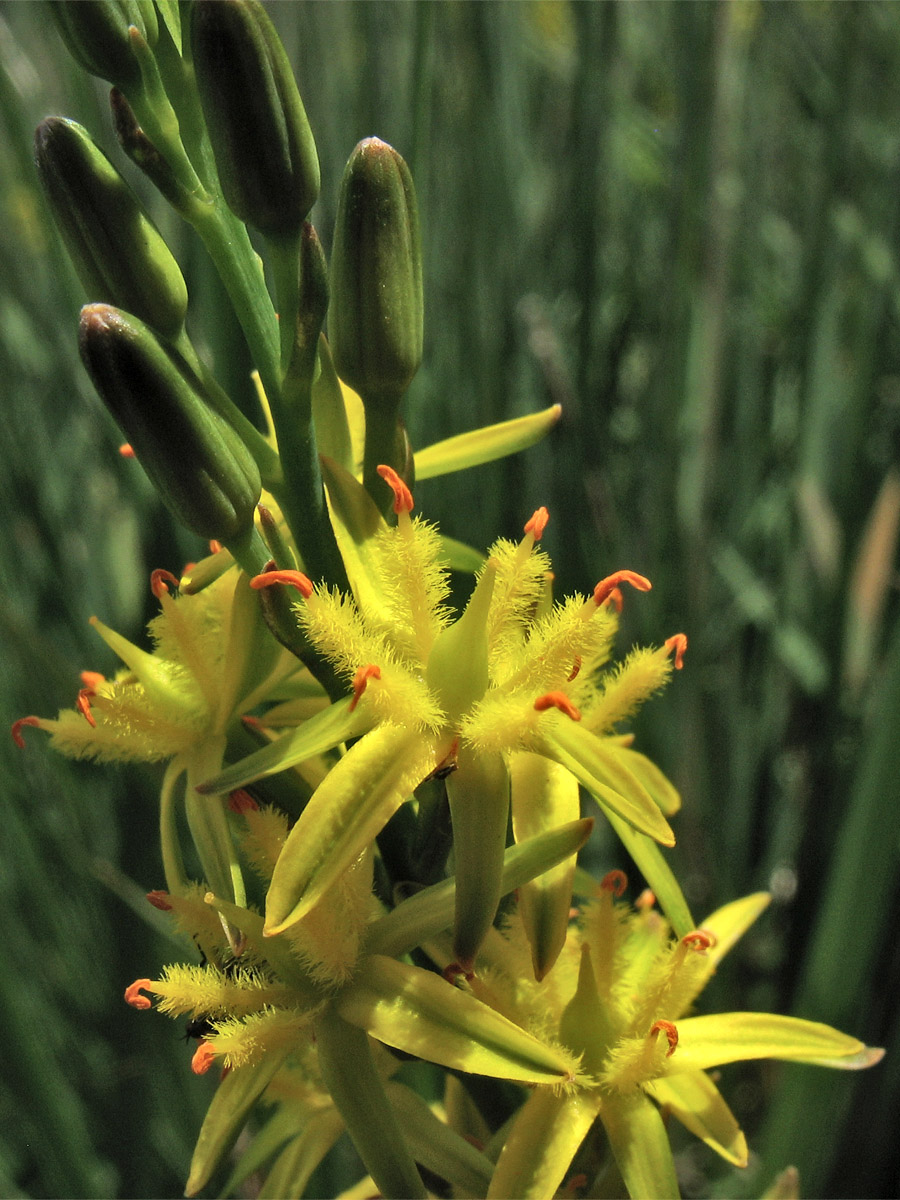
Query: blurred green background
pixel 678 219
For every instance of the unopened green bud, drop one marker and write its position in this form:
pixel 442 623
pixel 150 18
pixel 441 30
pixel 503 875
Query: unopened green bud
pixel 375 320
pixel 118 252
pixel 196 460
pixel 96 35
pixel 263 145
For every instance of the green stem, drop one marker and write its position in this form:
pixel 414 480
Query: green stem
pixel 381 446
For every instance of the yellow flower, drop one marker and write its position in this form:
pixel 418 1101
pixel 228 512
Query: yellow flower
pixel 506 700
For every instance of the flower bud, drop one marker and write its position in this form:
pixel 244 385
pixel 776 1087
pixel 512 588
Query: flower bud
pixel 263 146
pixel 96 35
pixel 375 320
pixel 196 460
pixel 118 252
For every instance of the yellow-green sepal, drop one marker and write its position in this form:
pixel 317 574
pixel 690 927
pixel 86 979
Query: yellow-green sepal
pixel 543 1141
pixel 349 808
pixel 351 1077
pixel 430 911
pixel 322 732
pixel 225 1119
pixel 640 1146
pixel 478 792
pixel 544 795
pixel 711 1041
pixel 596 766
pixel 698 1104
pixel 436 1146
pixel 486 444
pixel 420 1013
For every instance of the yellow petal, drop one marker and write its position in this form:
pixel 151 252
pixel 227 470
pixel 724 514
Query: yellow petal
pixel 698 1104
pixel 721 1038
pixel 640 1145
pixel 486 444
pixel 542 1143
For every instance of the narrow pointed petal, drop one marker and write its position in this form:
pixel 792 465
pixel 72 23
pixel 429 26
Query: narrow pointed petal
pixel 322 732
pixel 640 1146
pixel 658 786
pixel 729 923
pixel 592 763
pixel 544 795
pixel 698 1104
pixel 650 861
pixel 542 1143
pixel 225 1118
pixel 349 808
pixel 437 1146
pixel 295 1164
pixel 430 912
pixel 350 1075
pixel 719 1038
pixel 419 1012
pixel 486 444
pixel 356 520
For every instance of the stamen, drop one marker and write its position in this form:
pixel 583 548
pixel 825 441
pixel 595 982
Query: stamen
pixel 669 1030
pixel 699 939
pixel 403 501
pixel 616 599
pixel 159 581
pixel 538 523
pixel 452 972
pixel 17 726
pixel 127 450
pixel 160 900
pixel 133 993
pixel 575 669
pixel 253 723
pixel 241 802
pixel 204 1057
pixel 214 546
pixel 290 578
pixel 646 899
pixel 83 704
pixel 557 700
pixel 615 881
pixel 360 682
pixel 605 587
pixel 678 643
pixel 92 679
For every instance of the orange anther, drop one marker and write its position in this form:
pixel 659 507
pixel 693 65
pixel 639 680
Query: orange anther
pixel 669 1030
pixel 538 523
pixel 92 679
pixel 160 580
pixel 557 700
pixel 253 723
pixel 678 643
pixel 291 578
pixel 160 900
pixel 616 599
pixel 453 971
pixel 403 501
pixel 17 727
pixel 699 939
pixel 615 881
pixel 240 802
pixel 575 669
pixel 127 450
pixel 83 704
pixel 204 1057
pixel 214 546
pixel 646 899
pixel 133 993
pixel 361 680
pixel 605 587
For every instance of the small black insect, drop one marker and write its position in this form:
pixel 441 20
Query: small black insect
pixel 198 1028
